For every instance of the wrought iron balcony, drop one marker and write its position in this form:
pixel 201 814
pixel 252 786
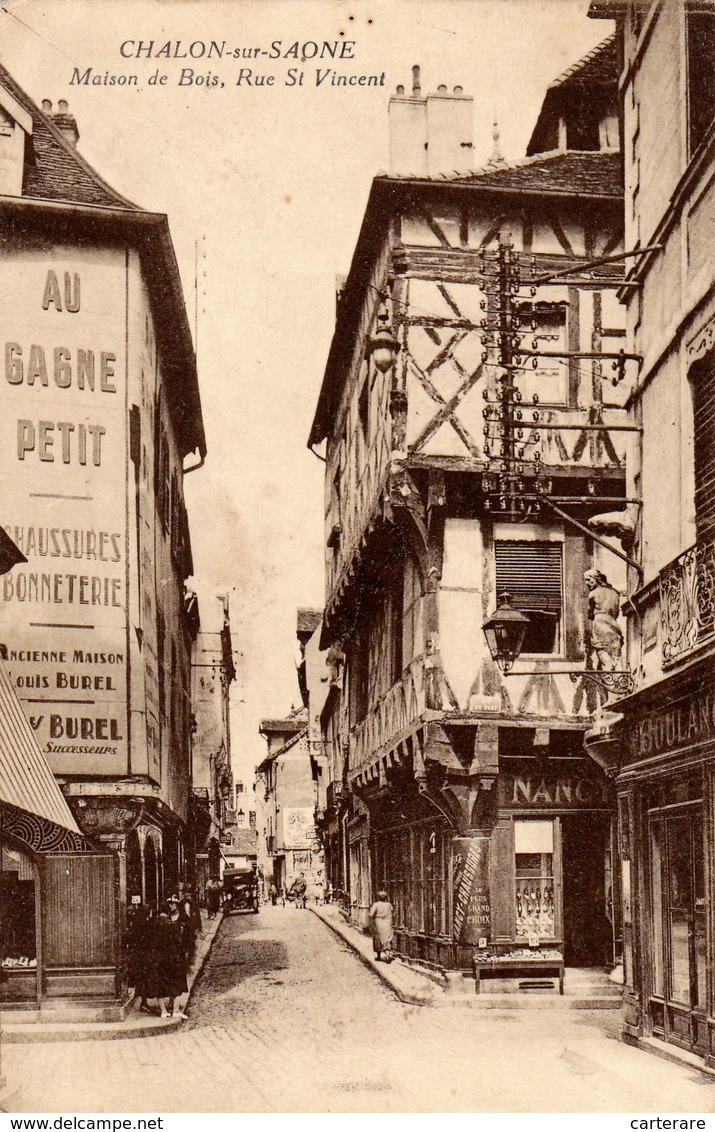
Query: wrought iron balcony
pixel 687 601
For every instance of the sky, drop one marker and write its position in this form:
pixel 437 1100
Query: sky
pixel 265 185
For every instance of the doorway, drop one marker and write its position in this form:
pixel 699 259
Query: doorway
pixel 678 910
pixel 588 933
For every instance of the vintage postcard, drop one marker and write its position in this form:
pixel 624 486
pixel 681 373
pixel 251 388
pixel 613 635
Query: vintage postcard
pixel 356 614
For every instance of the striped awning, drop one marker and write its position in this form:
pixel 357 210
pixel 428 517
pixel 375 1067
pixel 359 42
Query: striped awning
pixel 26 781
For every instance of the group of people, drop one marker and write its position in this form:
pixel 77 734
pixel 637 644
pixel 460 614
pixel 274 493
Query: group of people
pixel 160 949
pixel 300 893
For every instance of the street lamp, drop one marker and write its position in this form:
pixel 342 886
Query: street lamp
pixel 504 632
pixel 383 346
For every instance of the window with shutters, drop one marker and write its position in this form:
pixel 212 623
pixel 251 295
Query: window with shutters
pixel 532 573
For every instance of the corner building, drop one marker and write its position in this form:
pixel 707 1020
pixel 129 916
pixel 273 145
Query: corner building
pixel 468 795
pixel 100 421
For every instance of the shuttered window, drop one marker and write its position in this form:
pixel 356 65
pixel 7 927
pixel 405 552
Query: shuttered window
pixel 532 573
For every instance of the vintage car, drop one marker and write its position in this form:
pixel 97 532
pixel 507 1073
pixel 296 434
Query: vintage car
pixel 240 890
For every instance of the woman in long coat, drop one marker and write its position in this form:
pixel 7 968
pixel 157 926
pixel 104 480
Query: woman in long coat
pixel 141 967
pixel 381 916
pixel 171 958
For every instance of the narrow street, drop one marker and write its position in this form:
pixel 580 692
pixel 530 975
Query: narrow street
pixel 286 1018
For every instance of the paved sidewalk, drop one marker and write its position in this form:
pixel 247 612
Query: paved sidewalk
pixel 424 988
pixel 287 1018
pixel 408 984
pixel 135 1025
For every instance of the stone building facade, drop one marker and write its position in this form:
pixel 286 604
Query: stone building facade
pixel 659 748
pixel 101 420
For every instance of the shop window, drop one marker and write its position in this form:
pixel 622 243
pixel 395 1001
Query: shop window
pixel 534 870
pixel 700 31
pixel 17 910
pixel 532 573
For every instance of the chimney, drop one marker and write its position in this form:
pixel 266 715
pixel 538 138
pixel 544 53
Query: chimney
pixel 407 115
pixel 64 121
pixel 430 136
pixel 449 132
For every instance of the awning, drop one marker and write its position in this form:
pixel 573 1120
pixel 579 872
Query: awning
pixel 27 785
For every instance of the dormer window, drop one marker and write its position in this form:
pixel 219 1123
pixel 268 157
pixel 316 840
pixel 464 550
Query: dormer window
pixel 582 132
pixel 15 135
pixel 7 125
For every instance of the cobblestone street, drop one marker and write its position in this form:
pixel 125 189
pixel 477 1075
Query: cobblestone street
pixel 286 1018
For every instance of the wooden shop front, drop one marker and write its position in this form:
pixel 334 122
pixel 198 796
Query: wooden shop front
pixel 60 936
pixel 60 941
pixel 665 804
pixel 530 878
pixel 543 873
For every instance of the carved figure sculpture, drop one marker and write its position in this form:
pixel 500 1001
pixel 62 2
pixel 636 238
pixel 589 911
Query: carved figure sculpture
pixel 603 609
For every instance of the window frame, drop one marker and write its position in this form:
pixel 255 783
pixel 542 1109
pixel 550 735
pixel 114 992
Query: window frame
pixel 559 619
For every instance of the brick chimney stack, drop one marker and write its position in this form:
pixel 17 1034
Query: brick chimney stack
pixel 64 121
pixel 432 135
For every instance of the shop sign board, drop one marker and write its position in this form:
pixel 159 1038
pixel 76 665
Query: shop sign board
pixel 531 790
pixel 687 722
pixel 471 891
pixel 63 472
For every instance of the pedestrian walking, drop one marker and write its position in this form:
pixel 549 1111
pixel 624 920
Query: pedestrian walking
pixel 171 959
pixel 273 894
pixel 381 917
pixel 297 890
pixel 191 925
pixel 213 897
pixel 141 959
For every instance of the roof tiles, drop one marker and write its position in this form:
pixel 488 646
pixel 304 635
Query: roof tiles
pixel 573 173
pixel 55 170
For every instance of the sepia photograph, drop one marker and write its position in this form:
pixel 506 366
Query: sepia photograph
pixel 357 559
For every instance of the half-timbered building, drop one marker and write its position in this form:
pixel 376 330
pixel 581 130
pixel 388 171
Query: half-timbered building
pixel 464 793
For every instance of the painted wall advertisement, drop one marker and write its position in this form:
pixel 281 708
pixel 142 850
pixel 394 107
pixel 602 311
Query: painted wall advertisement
pixel 471 893
pixel 299 828
pixel 63 476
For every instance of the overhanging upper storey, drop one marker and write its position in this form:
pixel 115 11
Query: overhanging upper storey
pixel 426 263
